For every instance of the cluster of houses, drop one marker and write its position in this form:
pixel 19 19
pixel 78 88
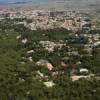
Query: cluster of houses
pixel 47 19
pixel 50 46
pixel 40 19
pixel 93 41
pixel 44 63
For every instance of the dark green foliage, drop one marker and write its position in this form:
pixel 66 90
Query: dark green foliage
pixel 20 81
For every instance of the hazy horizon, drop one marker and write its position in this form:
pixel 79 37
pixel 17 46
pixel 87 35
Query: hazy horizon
pixel 75 1
pixel 65 2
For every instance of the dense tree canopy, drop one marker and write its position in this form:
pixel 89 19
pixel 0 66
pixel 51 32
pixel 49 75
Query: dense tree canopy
pixel 19 81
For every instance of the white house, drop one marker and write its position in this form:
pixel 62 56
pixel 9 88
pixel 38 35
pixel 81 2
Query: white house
pixel 49 84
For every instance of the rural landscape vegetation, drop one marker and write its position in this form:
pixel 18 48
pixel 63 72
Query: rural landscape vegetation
pixel 50 51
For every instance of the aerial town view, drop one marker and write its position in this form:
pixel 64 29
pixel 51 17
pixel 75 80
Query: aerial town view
pixel 49 49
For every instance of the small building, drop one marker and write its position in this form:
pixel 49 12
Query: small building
pixel 49 84
pixel 64 61
pixel 83 71
pixel 45 63
pixel 30 51
pixel 24 41
pixel 30 59
pixel 87 51
pixel 76 53
pixel 78 63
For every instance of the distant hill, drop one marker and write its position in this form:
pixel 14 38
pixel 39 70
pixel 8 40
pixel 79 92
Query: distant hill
pixel 21 2
pixel 14 1
pixel 67 2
